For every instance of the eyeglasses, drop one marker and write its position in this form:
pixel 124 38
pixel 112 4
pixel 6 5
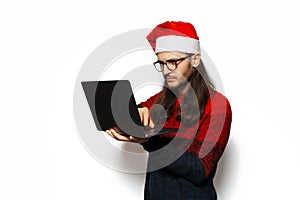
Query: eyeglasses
pixel 171 64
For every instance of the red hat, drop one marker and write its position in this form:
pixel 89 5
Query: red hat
pixel 174 36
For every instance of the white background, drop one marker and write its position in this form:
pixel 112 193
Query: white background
pixel 43 44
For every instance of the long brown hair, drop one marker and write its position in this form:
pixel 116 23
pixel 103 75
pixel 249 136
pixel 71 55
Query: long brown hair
pixel 193 102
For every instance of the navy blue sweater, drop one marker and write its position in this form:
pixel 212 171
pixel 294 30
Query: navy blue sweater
pixel 182 179
pixel 190 175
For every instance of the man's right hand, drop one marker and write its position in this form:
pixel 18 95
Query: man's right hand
pixel 145 117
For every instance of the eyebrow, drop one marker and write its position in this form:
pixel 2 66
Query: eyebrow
pixel 171 59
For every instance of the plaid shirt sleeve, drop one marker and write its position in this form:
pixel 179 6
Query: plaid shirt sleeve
pixel 207 144
pixel 201 158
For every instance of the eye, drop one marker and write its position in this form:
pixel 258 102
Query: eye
pixel 172 62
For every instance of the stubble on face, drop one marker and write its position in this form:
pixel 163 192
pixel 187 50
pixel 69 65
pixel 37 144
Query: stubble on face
pixel 176 79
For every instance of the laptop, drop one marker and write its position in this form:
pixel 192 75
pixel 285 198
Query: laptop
pixel 112 104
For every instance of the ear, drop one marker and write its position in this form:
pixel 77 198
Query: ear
pixel 195 60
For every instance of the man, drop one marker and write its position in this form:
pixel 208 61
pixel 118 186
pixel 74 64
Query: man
pixel 183 169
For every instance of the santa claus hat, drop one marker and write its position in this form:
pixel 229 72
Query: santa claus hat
pixel 174 36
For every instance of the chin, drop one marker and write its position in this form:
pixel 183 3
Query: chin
pixel 172 85
pixel 176 85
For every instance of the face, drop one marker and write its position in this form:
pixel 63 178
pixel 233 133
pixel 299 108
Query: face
pixel 176 78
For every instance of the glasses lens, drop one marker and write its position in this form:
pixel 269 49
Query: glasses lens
pixel 158 66
pixel 171 64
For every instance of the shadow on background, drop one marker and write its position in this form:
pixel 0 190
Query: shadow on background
pixel 227 171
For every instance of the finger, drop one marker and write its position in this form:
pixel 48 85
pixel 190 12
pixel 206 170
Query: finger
pixel 132 139
pixel 109 133
pixel 151 123
pixel 146 117
pixel 119 136
pixel 142 115
pixel 117 130
pixel 138 140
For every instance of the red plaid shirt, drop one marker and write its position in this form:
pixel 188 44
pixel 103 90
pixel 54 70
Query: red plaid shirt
pixel 208 138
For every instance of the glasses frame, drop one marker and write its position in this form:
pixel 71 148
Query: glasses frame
pixel 176 62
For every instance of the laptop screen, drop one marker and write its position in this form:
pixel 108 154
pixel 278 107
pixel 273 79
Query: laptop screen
pixel 112 103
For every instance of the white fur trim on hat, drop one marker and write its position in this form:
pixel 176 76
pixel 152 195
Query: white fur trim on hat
pixel 177 43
